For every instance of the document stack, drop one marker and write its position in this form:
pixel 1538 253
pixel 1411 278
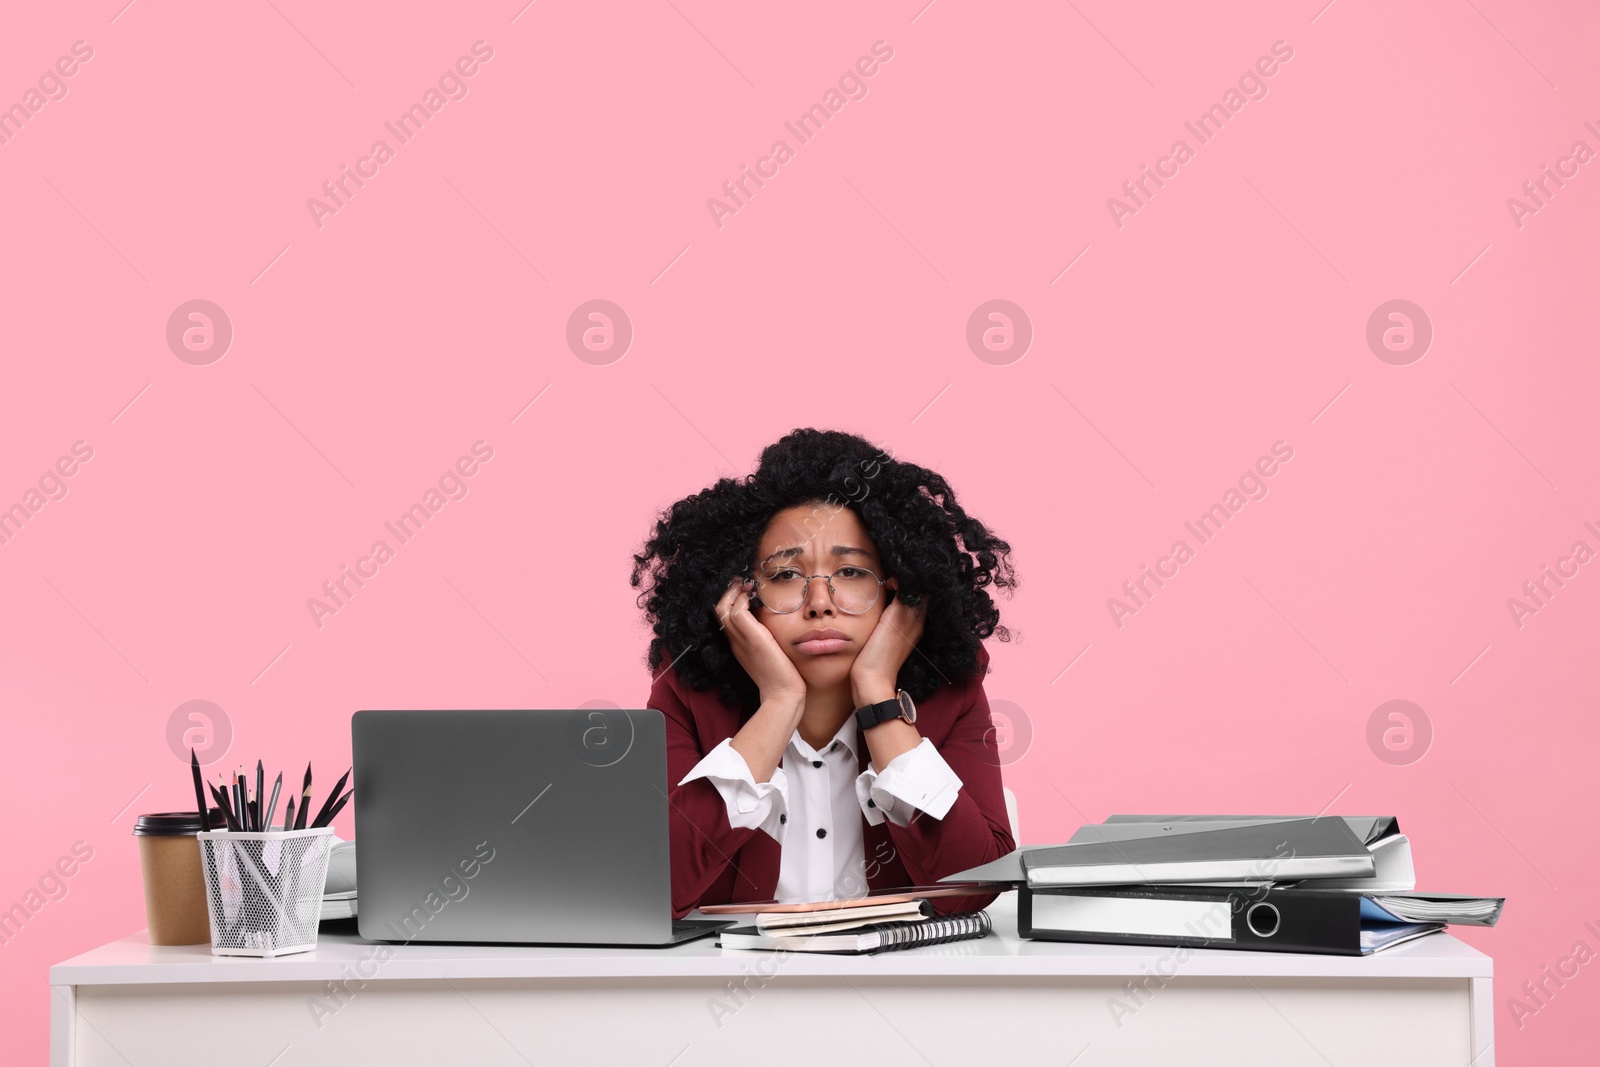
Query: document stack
pixel 860 929
pixel 1343 885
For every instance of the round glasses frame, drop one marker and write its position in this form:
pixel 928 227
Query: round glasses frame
pixel 805 588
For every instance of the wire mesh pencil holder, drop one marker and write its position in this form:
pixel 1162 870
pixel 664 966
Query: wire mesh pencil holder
pixel 264 890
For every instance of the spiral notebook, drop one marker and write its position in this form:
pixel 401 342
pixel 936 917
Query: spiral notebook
pixel 865 940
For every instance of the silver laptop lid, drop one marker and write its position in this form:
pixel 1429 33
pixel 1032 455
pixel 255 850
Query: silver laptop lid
pixel 512 826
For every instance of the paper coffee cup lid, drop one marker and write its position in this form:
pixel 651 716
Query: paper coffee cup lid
pixel 173 823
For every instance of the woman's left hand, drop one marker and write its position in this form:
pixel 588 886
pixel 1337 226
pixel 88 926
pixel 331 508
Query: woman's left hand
pixel 877 666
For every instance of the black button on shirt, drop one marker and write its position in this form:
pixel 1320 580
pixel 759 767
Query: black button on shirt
pixel 816 763
pixel 821 832
pixel 871 803
pixel 783 817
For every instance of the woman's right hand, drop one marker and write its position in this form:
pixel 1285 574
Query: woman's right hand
pixel 755 648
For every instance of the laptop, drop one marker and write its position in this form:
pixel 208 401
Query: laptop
pixel 526 827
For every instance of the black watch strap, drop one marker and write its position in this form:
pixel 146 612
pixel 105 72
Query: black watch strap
pixel 882 711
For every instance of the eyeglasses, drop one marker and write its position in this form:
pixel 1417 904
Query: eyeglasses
pixel 854 590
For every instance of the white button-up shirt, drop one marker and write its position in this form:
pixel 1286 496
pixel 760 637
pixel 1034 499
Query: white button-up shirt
pixel 814 801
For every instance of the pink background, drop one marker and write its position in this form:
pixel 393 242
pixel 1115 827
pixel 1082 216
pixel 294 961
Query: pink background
pixel 1229 313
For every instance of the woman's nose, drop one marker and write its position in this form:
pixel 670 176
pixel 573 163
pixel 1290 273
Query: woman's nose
pixel 818 599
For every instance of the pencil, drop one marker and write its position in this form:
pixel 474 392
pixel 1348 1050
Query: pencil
pixel 288 814
pixel 261 797
pixel 327 805
pixel 305 801
pixel 324 820
pixel 272 805
pixel 222 803
pixel 199 792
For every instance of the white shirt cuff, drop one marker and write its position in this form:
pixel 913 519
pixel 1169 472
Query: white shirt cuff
pixel 916 779
pixel 751 804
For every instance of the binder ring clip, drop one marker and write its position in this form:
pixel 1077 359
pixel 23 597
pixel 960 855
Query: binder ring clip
pixel 1270 921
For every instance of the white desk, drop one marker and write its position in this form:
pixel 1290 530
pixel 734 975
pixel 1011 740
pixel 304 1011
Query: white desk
pixel 1425 1002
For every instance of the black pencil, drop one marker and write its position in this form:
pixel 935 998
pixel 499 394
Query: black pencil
pixel 327 805
pixel 222 803
pixel 261 797
pixel 288 814
pixel 305 801
pixel 325 820
pixel 199 792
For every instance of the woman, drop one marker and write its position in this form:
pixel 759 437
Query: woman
pixel 818 657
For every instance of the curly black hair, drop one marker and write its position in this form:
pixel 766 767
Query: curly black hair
pixel 937 551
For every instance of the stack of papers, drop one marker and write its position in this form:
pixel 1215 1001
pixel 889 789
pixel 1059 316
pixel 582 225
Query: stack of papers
pixel 865 928
pixel 1376 936
pixel 1439 907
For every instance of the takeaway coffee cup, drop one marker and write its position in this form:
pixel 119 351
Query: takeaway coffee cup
pixel 174 887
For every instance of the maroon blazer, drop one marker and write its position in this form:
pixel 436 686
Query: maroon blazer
pixel 714 862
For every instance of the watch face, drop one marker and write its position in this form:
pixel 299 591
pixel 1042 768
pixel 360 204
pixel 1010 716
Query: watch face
pixel 906 705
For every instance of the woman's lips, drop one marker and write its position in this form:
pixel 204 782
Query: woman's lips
pixel 822 646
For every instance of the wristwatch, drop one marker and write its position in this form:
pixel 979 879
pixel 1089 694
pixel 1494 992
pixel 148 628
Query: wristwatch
pixel 900 707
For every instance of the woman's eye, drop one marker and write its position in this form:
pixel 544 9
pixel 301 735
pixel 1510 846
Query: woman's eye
pixel 784 576
pixel 849 572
